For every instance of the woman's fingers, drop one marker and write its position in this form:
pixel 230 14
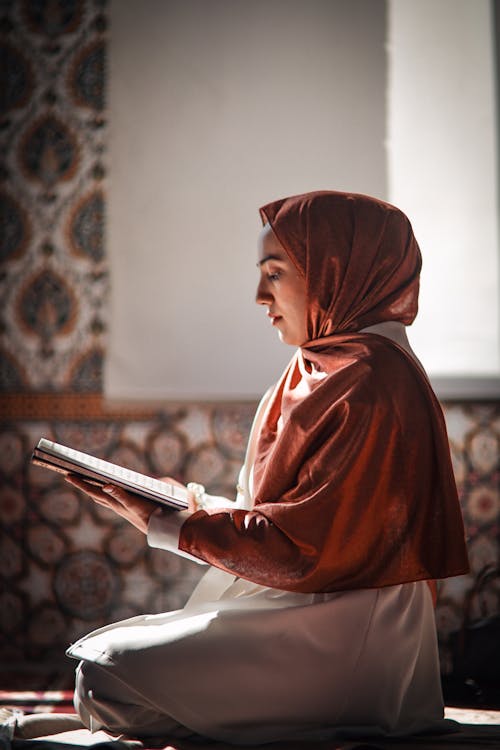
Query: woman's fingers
pixel 95 491
pixel 120 496
pixel 107 495
pixel 136 510
pixel 131 503
pixel 192 502
pixel 103 493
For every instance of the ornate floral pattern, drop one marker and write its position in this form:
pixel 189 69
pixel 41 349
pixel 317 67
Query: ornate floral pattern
pixel 16 229
pixel 52 204
pixel 16 78
pixel 53 19
pixel 47 306
pixel 86 585
pixel 86 229
pixel 86 78
pixel 48 151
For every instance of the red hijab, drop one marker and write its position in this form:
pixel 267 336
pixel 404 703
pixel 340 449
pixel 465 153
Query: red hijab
pixel 353 483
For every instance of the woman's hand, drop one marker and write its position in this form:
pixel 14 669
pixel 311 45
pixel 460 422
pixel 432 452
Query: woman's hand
pixel 192 500
pixel 136 510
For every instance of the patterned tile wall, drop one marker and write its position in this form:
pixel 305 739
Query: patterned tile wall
pixel 69 566
pixel 474 433
pixel 54 279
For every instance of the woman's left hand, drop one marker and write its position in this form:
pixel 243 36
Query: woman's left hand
pixel 136 510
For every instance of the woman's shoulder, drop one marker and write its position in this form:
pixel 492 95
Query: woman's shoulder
pixel 377 370
pixel 377 355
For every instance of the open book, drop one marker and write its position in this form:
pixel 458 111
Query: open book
pixel 69 461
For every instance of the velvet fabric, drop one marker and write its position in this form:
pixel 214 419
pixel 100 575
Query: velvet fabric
pixel 359 257
pixel 353 483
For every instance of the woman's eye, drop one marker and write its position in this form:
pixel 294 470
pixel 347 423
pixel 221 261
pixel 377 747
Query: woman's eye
pixel 274 276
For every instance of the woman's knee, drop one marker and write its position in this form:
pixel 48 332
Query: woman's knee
pixel 103 701
pixel 88 677
pixel 84 682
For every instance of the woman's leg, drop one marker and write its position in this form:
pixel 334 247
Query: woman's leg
pixel 40 725
pixel 103 701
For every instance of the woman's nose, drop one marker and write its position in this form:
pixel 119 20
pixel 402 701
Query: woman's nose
pixel 262 295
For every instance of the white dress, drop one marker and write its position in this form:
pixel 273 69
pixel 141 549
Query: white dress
pixel 249 664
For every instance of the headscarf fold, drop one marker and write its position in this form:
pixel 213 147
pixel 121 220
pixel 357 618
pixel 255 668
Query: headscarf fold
pixel 358 255
pixel 353 482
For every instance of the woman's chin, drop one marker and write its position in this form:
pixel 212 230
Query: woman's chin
pixel 289 340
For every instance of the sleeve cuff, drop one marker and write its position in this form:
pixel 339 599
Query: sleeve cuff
pixel 164 529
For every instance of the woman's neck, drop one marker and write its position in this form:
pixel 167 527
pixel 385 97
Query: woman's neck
pixel 395 331
pixel 391 329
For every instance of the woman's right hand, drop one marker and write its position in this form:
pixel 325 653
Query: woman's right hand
pixel 136 510
pixel 192 502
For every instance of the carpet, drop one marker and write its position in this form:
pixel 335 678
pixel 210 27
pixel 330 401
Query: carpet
pixel 38 701
pixel 476 729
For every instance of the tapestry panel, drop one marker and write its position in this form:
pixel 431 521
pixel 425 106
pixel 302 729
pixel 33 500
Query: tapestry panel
pixel 54 282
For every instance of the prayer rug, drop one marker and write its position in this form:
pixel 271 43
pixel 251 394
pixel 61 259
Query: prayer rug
pixel 38 701
pixel 477 728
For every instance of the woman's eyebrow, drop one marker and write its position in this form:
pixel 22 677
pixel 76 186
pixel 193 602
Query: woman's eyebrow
pixel 268 257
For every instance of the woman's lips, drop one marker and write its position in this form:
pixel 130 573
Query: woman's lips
pixel 274 319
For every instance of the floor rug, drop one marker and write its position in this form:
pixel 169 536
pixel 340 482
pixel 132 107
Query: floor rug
pixel 38 701
pixel 476 729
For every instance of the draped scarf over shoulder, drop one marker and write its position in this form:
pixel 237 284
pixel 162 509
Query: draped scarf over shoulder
pixel 353 483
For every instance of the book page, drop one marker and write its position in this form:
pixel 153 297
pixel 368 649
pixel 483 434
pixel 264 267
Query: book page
pixel 113 472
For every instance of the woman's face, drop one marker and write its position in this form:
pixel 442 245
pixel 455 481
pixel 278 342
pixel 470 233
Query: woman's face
pixel 282 289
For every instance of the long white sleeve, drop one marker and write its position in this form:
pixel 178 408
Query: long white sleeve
pixel 163 531
pixel 165 525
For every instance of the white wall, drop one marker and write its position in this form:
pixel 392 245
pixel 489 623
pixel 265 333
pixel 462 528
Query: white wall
pixel 219 106
pixel 442 162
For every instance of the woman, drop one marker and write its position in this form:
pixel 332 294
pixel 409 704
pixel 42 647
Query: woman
pixel 316 616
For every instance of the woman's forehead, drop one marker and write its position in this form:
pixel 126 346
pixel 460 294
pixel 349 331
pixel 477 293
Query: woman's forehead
pixel 269 247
